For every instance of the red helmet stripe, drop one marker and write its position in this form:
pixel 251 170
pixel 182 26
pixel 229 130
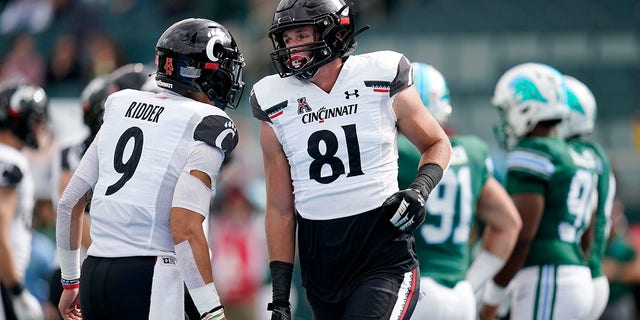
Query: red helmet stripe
pixel 211 65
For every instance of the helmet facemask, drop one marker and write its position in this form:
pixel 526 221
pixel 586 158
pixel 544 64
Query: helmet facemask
pixel 222 81
pixel 334 37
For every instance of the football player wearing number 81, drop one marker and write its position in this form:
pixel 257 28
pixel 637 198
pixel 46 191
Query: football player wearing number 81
pixel 328 132
pixel 152 169
pixel 467 191
pixel 581 123
pixel 553 189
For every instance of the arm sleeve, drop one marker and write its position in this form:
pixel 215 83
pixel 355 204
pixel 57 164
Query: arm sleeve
pixel 190 193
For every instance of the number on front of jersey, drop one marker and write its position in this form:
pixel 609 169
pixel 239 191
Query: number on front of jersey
pixel 128 167
pixel 327 156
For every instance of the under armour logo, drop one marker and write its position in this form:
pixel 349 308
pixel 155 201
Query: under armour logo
pixel 349 94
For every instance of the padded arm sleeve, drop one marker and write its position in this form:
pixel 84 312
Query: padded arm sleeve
pixel 190 193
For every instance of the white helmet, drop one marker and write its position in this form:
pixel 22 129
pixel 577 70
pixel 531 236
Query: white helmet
pixel 583 109
pixel 433 90
pixel 526 95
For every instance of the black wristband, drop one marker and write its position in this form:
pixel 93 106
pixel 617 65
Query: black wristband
pixel 17 289
pixel 428 177
pixel 281 273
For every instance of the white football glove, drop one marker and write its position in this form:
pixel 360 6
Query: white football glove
pixel 26 306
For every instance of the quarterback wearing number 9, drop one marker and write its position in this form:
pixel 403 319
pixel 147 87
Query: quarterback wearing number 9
pixel 329 123
pixel 151 172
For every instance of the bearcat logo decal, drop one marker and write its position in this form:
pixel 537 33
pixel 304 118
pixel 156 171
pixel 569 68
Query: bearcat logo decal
pixel 378 86
pixel 218 131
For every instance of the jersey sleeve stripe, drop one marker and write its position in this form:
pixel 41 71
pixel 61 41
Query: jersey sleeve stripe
pixel 530 162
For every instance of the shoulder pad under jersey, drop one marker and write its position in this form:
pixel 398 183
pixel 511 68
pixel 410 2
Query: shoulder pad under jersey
pixel 217 131
pixel 10 175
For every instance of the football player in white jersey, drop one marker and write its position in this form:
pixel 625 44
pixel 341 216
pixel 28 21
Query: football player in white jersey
pixel 449 282
pixel 22 113
pixel 130 76
pixel 328 131
pixel 151 172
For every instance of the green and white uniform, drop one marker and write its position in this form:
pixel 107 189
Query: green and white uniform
pixel 555 282
pixel 442 240
pixel 602 223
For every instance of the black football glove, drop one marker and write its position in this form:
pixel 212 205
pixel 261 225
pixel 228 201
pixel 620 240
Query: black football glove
pixel 280 310
pixel 408 207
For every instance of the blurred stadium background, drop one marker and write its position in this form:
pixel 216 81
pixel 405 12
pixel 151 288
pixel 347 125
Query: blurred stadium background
pixel 62 44
pixel 470 42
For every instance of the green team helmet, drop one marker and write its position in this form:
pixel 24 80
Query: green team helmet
pixel 583 110
pixel 433 90
pixel 526 95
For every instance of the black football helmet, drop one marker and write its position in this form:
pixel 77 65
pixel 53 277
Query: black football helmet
pixel 200 55
pixel 333 23
pixel 22 107
pixel 129 76
pixel 92 99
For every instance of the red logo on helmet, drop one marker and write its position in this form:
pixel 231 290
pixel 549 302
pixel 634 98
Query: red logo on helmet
pixel 168 66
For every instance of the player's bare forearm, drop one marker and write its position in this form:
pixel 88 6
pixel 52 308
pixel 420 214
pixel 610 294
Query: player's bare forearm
pixel 501 218
pixel 281 230
pixel 8 201
pixel 186 225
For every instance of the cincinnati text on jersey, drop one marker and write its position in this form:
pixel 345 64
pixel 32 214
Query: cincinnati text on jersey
pixel 144 111
pixel 325 113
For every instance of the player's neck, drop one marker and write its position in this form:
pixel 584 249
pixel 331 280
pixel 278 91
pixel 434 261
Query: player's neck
pixel 327 75
pixel 8 139
pixel 542 130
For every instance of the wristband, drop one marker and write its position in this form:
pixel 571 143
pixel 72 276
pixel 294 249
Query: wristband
pixel 205 298
pixel 69 263
pixel 214 314
pixel 494 294
pixel 281 273
pixel 428 177
pixel 483 268
pixel 70 284
pixel 17 289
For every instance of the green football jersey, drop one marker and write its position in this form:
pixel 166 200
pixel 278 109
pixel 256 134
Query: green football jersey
pixel 442 240
pixel 567 179
pixel 606 193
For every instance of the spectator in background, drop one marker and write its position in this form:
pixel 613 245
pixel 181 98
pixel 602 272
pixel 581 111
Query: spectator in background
pixel 239 261
pixel 104 55
pixel 622 267
pixel 26 15
pixel 23 61
pixel 63 66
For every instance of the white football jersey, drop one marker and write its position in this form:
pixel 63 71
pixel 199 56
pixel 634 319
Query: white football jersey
pixel 15 174
pixel 142 148
pixel 342 145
